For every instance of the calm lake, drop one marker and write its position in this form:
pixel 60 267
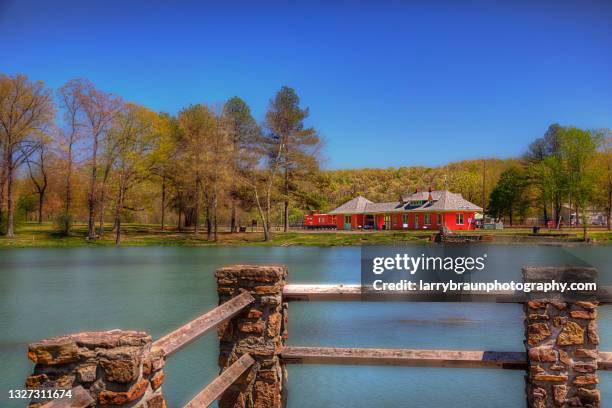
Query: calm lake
pixel 48 292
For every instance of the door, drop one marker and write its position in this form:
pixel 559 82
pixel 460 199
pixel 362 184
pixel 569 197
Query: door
pixel 347 222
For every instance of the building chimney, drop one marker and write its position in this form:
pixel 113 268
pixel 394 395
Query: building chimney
pixel 429 197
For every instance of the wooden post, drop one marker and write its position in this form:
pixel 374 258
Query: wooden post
pixel 259 330
pixel 562 343
pixel 114 368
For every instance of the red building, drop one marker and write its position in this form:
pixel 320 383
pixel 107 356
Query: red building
pixel 420 210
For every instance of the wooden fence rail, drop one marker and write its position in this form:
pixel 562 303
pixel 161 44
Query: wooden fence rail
pixel 355 292
pixel 416 357
pixel 218 386
pixel 189 332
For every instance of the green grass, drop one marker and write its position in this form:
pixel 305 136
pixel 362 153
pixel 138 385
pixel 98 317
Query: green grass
pixel 44 236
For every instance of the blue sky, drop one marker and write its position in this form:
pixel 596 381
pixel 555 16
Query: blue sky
pixel 387 83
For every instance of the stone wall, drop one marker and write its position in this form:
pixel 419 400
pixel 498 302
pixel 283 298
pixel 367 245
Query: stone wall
pixel 259 330
pixel 562 344
pixel 118 368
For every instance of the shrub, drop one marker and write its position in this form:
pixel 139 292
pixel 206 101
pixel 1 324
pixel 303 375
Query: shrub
pixel 64 223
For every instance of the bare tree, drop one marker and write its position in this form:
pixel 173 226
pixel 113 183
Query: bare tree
pixel 38 169
pixel 261 177
pixel 71 134
pixel 99 108
pixel 25 108
pixel 110 154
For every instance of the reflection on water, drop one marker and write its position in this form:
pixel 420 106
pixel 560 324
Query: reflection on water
pixel 50 292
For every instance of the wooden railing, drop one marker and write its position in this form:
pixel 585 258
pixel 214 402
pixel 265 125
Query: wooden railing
pixel 196 328
pixel 172 342
pixel 355 292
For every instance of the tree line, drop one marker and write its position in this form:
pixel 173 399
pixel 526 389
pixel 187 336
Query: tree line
pixel 79 153
pixel 567 167
pixel 92 156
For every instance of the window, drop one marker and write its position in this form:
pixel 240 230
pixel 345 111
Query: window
pixel 439 219
pixel 459 218
pixel 405 220
pixel 416 221
pixel 427 219
pixel 387 220
pixel 347 219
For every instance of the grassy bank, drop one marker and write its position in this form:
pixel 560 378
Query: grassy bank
pixel 44 236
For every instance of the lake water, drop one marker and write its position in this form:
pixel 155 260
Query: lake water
pixel 48 292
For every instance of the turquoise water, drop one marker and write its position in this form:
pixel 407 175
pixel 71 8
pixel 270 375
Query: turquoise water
pixel 47 292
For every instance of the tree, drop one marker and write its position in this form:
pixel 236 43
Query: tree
pixel 508 196
pixel 135 133
pixel 260 178
pixel 603 192
pixel 38 170
pixel 243 134
pixel 26 108
pixel 577 149
pixel 285 120
pixel 165 157
pixel 546 172
pixel 70 136
pixel 98 109
pixel 198 126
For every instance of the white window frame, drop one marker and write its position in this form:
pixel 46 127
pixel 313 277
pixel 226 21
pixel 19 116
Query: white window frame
pixel 459 216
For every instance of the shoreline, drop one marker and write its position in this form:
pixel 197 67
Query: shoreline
pixel 32 235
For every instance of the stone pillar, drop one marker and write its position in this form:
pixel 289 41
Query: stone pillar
pixel 561 342
pixel 116 367
pixel 259 330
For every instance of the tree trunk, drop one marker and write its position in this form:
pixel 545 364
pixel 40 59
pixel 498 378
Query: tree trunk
pixel 10 211
pixel 286 203
pixel 69 182
pixel 117 231
pixel 178 226
pixel 233 217
pixel 118 215
pixel 101 215
pixel 208 223
pixel 584 222
pixel 215 226
pixel 609 212
pixel 196 229
pixel 268 216
pixel 41 200
pixel 91 202
pixel 163 203
pixel 2 185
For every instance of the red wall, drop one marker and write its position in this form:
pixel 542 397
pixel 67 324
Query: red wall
pixel 356 221
pixel 449 219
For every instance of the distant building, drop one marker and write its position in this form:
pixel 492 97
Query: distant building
pixel 419 210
